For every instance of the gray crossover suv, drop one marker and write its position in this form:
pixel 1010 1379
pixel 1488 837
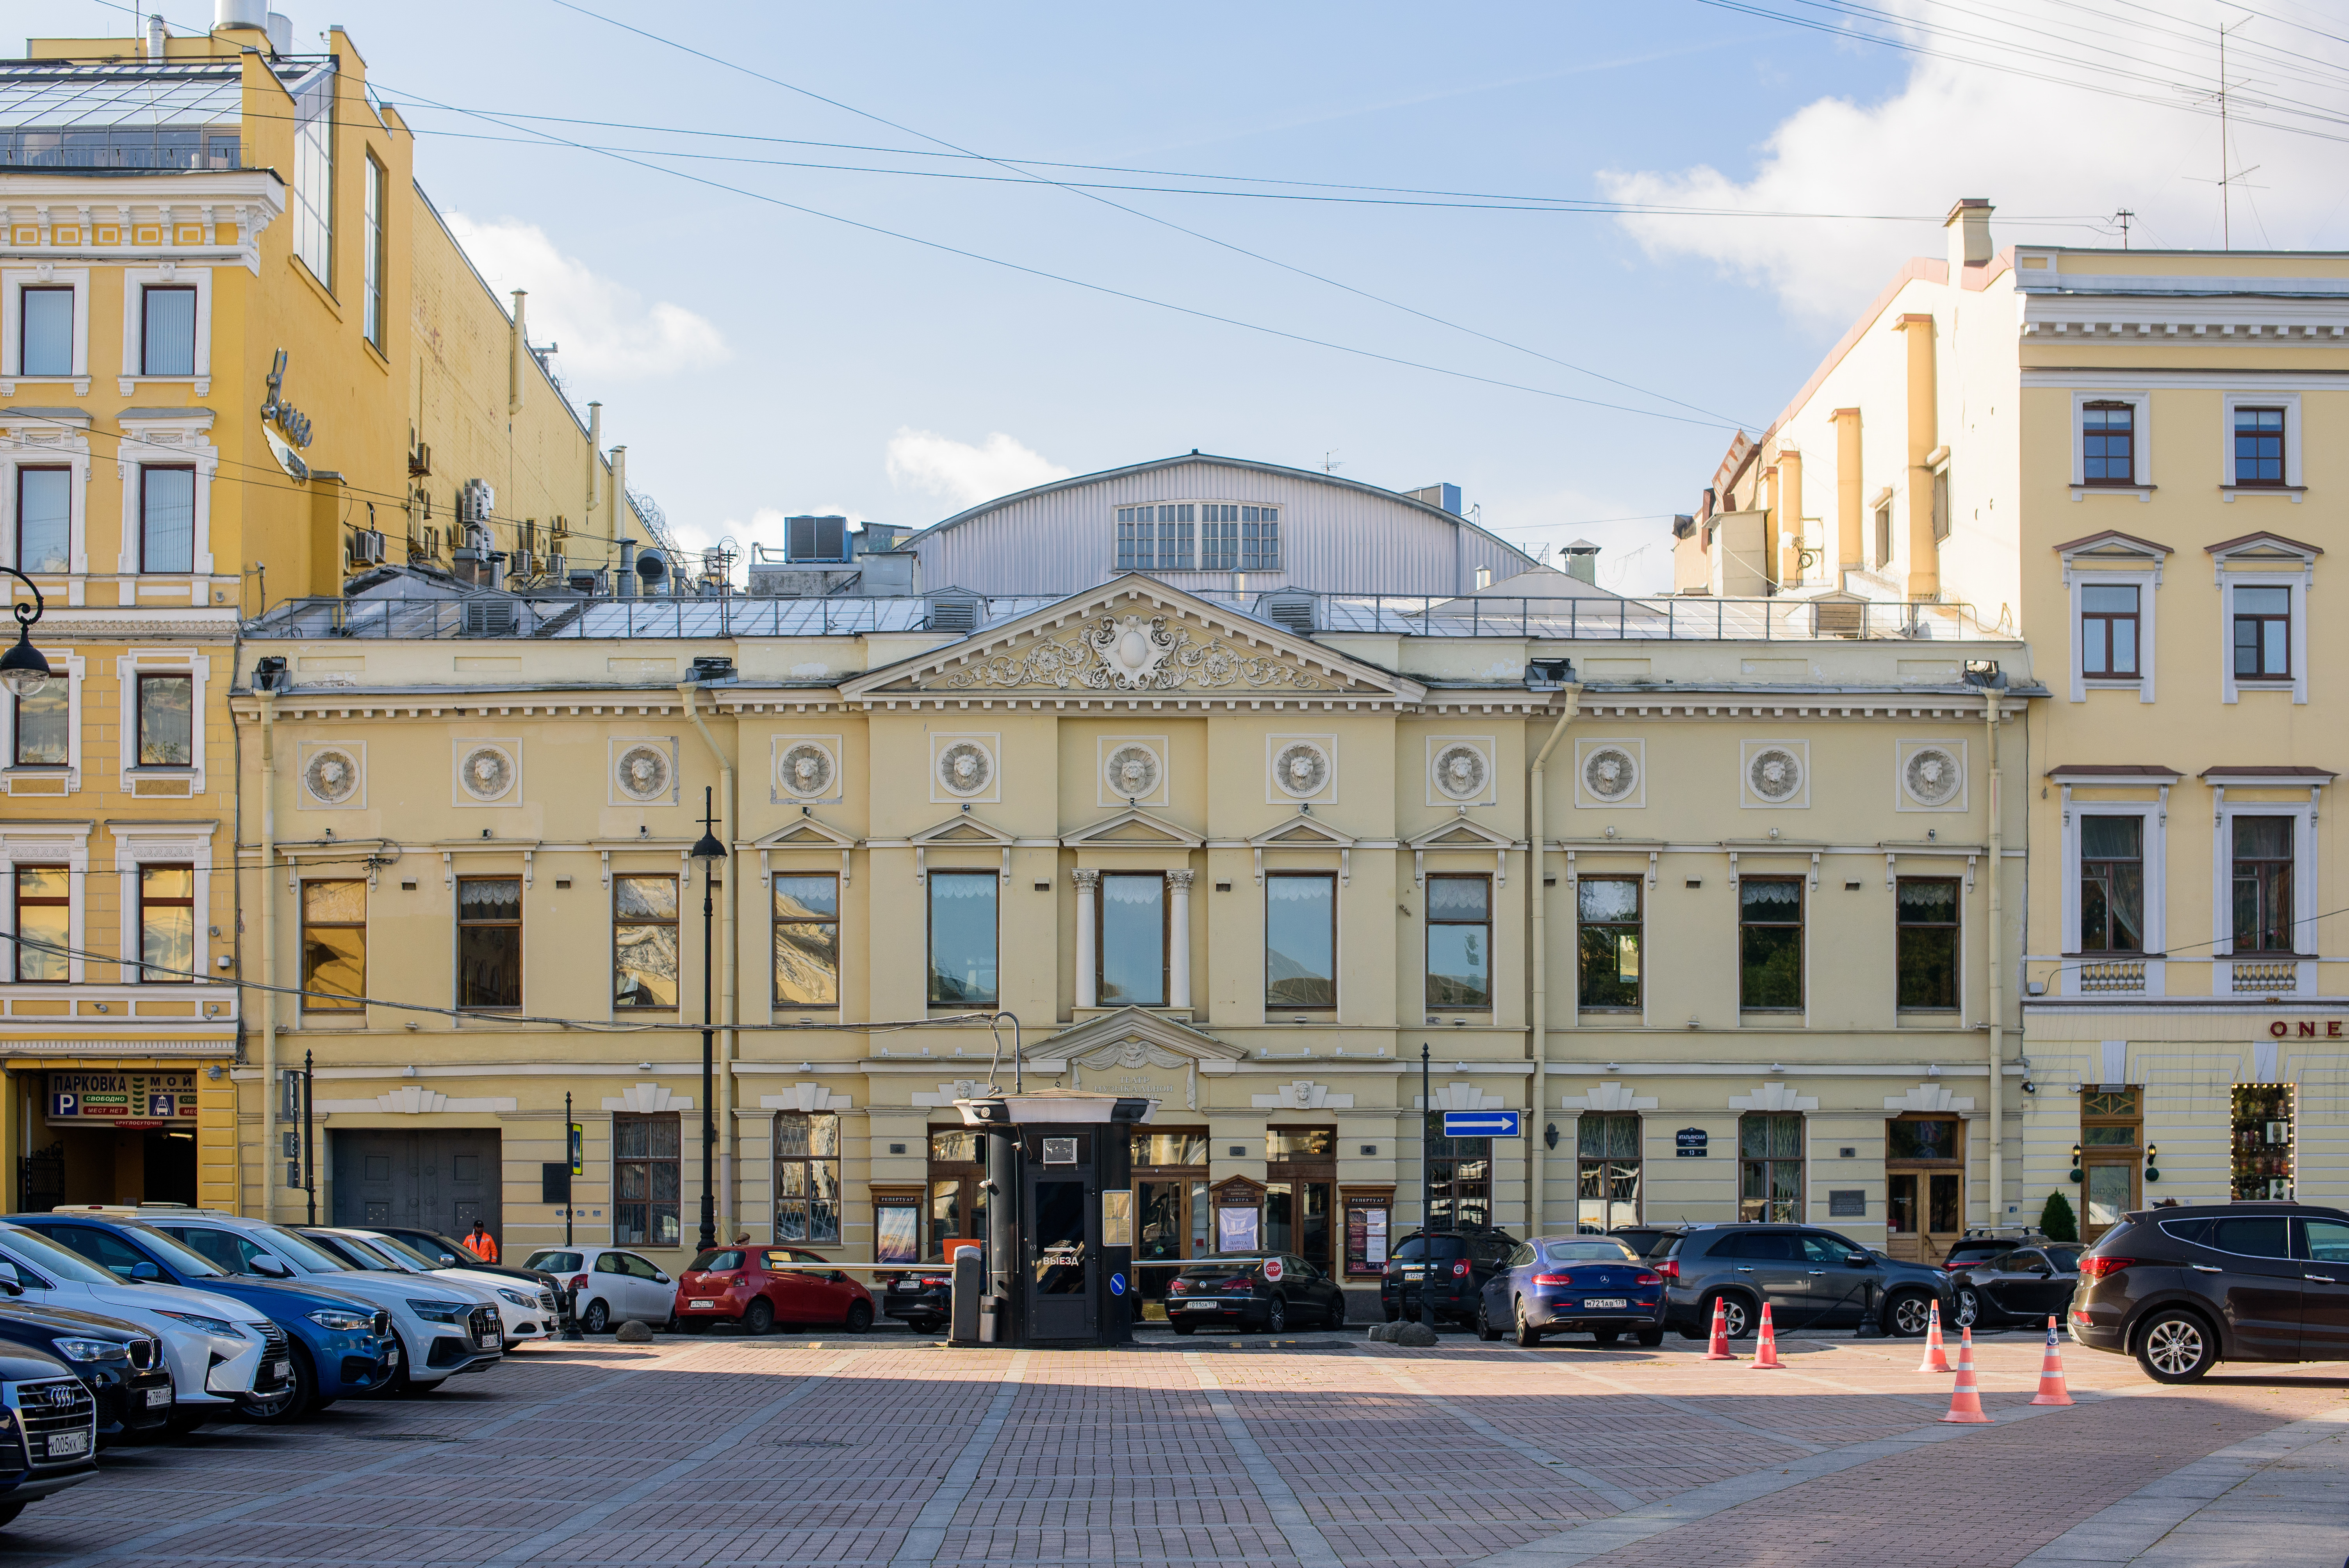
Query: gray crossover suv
pixel 1810 1278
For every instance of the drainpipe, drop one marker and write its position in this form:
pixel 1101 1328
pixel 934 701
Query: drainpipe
pixel 1997 966
pixel 730 1040
pixel 270 1151
pixel 624 575
pixel 594 461
pixel 1540 958
pixel 516 348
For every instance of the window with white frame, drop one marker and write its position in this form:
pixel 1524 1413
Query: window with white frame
pixel 40 753
pixel 2115 875
pixel 162 719
pixel 167 322
pixel 45 325
pixel 2262 444
pixel 43 873
pixel 44 518
pixel 2112 441
pixel 2264 583
pixel 2113 580
pixel 2263 867
pixel 166 883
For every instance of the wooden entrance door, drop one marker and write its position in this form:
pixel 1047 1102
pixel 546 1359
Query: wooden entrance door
pixel 1925 1186
pixel 2108 1189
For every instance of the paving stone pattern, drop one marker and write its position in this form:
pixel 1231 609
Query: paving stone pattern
pixel 1320 1450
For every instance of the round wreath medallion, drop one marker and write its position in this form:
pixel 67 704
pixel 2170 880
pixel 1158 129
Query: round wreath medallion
pixel 1774 774
pixel 1301 769
pixel 1461 772
pixel 805 771
pixel 1610 773
pixel 643 772
pixel 332 775
pixel 1131 771
pixel 1931 776
pixel 486 772
pixel 965 767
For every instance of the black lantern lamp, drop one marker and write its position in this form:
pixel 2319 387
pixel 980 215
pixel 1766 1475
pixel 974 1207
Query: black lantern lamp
pixel 2152 1156
pixel 22 669
pixel 2076 1162
pixel 710 852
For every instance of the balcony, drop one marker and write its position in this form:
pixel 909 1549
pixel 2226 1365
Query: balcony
pixel 2124 976
pixel 2264 976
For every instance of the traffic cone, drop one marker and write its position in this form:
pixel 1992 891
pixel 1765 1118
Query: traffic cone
pixel 1719 1349
pixel 2051 1373
pixel 1935 1359
pixel 1765 1350
pixel 1965 1399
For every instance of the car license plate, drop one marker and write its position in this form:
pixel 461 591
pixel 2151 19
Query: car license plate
pixel 1594 1303
pixel 65 1445
pixel 1412 1273
pixel 701 1302
pixel 1200 1305
pixel 158 1397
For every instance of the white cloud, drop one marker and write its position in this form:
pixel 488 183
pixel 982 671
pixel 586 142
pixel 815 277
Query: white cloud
pixel 2037 149
pixel 966 474
pixel 605 329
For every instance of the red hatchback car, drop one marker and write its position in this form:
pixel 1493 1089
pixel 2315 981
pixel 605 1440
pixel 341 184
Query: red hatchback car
pixel 757 1287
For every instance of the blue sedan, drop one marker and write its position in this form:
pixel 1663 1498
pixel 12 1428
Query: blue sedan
pixel 1570 1285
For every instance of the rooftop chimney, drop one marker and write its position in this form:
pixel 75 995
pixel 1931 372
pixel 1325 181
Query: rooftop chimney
pixel 1968 229
pixel 156 34
pixel 1582 561
pixel 280 28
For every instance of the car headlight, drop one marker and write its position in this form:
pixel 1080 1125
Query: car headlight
pixel 219 1325
pixel 341 1320
pixel 92 1349
pixel 438 1311
pixel 518 1298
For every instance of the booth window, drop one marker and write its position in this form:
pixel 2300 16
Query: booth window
pixel 45 519
pixel 1770 1157
pixel 644 941
pixel 43 915
pixel 1459 942
pixel 1770 945
pixel 334 946
pixel 1928 943
pixel 1132 917
pixel 1609 928
pixel 807 940
pixel 1300 941
pixel 644 1181
pixel 962 939
pixel 807 1177
pixel 489 942
pixel 167 924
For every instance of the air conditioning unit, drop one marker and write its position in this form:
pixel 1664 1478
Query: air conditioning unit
pixel 1293 611
pixel 519 563
pixel 366 546
pixel 476 501
pixel 953 614
pixel 816 538
pixel 487 617
pixel 420 460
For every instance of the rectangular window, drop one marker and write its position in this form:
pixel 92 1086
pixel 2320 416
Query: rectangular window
pixel 167 924
pixel 44 726
pixel 2109 444
pixel 1928 943
pixel 962 939
pixel 2112 884
pixel 1607 924
pixel 1300 941
pixel 2259 445
pixel 959 1190
pixel 807 940
pixel 371 214
pixel 1459 1177
pixel 1884 535
pixel 1770 944
pixel 46 332
pixel 2262 633
pixel 1609 1185
pixel 2109 623
pixel 644 1181
pixel 489 942
pixel 1459 942
pixel 167 342
pixel 1157 537
pixel 2263 912
pixel 807 1177
pixel 44 519
pixel 644 941
pixel 167 520
pixel 167 712
pixel 1770 1158
pixel 334 946
pixel 1259 539
pixel 44 917
pixel 314 175
pixel 1133 940
pixel 1942 504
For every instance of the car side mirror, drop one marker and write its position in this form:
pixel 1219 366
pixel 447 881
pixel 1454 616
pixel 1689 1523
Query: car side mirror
pixel 660 1276
pixel 837 1277
pixel 145 1273
pixel 10 1287
pixel 2042 1270
pixel 1858 1261
pixel 270 1268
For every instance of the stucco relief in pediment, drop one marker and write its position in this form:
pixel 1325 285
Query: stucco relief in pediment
pixel 1111 651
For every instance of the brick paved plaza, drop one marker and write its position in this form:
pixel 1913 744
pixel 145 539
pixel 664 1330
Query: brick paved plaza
pixel 1316 1450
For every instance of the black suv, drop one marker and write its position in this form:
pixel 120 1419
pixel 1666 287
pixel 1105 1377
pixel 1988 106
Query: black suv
pixel 1447 1269
pixel 1809 1278
pixel 120 1363
pixel 2183 1289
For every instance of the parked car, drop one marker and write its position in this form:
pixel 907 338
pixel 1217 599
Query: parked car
pixel 447 1251
pixel 609 1285
pixel 1809 1278
pixel 523 1314
pixel 1976 1245
pixel 2183 1289
pixel 222 1361
pixel 1273 1291
pixel 58 1424
pixel 2021 1285
pixel 922 1298
pixel 758 1287
pixel 1646 1240
pixel 119 1363
pixel 1573 1285
pixel 1448 1268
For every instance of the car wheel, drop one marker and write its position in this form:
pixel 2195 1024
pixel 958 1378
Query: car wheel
pixel 859 1318
pixel 1276 1317
pixel 1484 1329
pixel 1736 1314
pixel 758 1318
pixel 1652 1337
pixel 1968 1312
pixel 598 1317
pixel 1910 1313
pixel 1527 1334
pixel 295 1404
pixel 1183 1327
pixel 1605 1335
pixel 2176 1347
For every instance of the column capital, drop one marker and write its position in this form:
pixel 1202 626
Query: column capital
pixel 1180 881
pixel 1085 878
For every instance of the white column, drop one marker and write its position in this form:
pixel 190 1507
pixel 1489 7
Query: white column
pixel 1086 968
pixel 1178 940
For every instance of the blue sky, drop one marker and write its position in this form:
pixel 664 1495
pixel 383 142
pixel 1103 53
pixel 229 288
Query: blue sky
pixel 759 360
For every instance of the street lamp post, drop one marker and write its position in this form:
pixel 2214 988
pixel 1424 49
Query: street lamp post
pixel 22 669
pixel 709 851
pixel 1426 1187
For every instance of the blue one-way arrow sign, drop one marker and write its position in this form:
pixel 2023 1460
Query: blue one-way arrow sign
pixel 1482 1124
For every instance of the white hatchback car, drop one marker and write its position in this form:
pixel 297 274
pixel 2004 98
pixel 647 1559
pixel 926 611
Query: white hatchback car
pixel 609 1285
pixel 523 1314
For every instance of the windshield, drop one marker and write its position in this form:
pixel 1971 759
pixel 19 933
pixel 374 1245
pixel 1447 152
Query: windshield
pixel 1417 1248
pixel 553 1263
pixel 402 1253
pixel 1607 1251
pixel 367 1254
pixel 176 1253
pixel 52 1259
pixel 720 1263
pixel 303 1252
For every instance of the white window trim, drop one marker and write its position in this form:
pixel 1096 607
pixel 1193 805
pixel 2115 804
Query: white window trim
pixel 2293 481
pixel 2146 580
pixel 69 450
pixel 67 666
pixel 135 845
pixel 2156 814
pixel 14 282
pixel 2298 583
pixel 768 872
pixel 135 281
pixel 46 845
pixel 167 443
pixel 2303 877
pixel 161 661
pixel 2141 448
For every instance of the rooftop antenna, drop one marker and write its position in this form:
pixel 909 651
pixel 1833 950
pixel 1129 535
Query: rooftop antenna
pixel 2122 218
pixel 1330 465
pixel 2226 180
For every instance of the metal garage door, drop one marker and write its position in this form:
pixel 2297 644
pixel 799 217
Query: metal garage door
pixel 440 1181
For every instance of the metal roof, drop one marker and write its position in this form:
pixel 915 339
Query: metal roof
pixel 64 95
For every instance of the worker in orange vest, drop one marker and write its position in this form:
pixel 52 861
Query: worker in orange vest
pixel 482 1245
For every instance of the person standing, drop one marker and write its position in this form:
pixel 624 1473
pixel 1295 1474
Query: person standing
pixel 482 1245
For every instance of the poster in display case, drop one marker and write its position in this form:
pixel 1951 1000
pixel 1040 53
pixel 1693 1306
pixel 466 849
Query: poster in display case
pixel 2262 1148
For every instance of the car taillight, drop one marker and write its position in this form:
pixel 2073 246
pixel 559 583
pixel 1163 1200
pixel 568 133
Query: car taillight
pixel 1564 1279
pixel 1670 1268
pixel 1177 1289
pixel 1649 1279
pixel 939 1280
pixel 1460 1269
pixel 578 1282
pixel 2097 1268
pixel 1239 1287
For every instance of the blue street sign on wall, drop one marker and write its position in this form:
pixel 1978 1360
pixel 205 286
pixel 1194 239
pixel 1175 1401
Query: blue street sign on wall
pixel 1483 1124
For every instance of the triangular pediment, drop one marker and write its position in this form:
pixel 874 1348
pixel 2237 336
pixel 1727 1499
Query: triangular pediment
pixel 2265 548
pixel 2114 547
pixel 963 830
pixel 1134 830
pixel 1133 637
pixel 1302 832
pixel 1461 833
pixel 1133 1033
pixel 806 833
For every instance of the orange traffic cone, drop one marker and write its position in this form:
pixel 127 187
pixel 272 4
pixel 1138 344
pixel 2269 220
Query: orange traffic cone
pixel 1935 1360
pixel 1719 1349
pixel 1766 1352
pixel 1965 1399
pixel 2051 1373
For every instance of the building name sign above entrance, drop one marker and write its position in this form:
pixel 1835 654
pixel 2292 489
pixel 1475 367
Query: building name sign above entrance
pixel 1483 1124
pixel 2305 1028
pixel 148 1098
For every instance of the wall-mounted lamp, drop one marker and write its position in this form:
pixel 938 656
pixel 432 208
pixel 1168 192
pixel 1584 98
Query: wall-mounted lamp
pixel 2152 1154
pixel 1549 1135
pixel 2076 1162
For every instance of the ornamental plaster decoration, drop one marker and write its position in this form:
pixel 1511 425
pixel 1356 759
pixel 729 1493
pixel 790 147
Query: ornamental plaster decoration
pixel 1133 771
pixel 1611 772
pixel 1929 1097
pixel 1301 768
pixel 415 1099
pixel 807 769
pixel 1774 1096
pixel 1459 771
pixel 1778 774
pixel 1458 1097
pixel 1132 1055
pixel 644 770
pixel 1127 653
pixel 1303 1095
pixel 960 1088
pixel 1932 776
pixel 488 773
pixel 334 776
pixel 964 768
pixel 806 1096
pixel 1608 1097
pixel 644 1098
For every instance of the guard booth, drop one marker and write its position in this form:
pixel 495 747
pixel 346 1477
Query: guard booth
pixel 1059 1261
